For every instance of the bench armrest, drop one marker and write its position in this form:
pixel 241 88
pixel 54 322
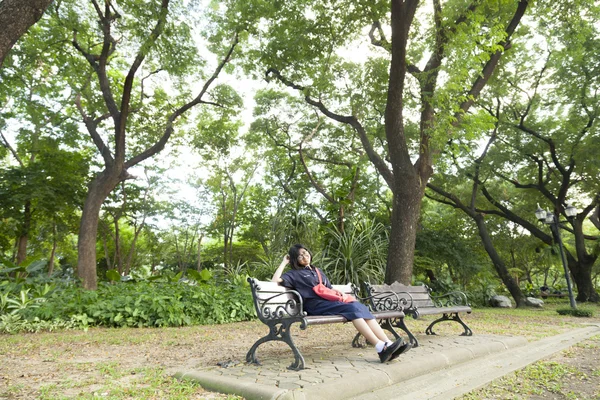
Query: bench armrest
pixel 451 299
pixel 272 306
pixel 391 301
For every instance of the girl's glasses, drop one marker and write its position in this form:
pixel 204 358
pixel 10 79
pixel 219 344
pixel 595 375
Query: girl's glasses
pixel 303 255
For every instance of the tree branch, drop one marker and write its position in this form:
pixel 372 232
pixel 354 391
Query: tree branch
pixel 382 41
pixel 490 66
pixel 314 183
pixel 377 161
pixel 6 144
pixel 149 152
pixel 128 85
pixel 92 126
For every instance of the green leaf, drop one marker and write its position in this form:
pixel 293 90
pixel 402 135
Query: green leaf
pixel 113 275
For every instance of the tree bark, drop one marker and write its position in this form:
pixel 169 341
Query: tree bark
pixel 53 252
pixel 16 17
pixel 405 215
pixel 507 279
pixel 581 268
pixel 199 264
pixel 582 277
pixel 117 261
pixel 99 190
pixel 478 217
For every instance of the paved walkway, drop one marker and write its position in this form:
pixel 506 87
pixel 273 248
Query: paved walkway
pixel 442 367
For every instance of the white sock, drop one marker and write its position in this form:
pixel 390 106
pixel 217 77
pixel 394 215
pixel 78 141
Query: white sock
pixel 389 342
pixel 379 346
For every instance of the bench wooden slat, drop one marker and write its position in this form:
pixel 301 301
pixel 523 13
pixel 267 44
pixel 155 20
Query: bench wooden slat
pixel 444 310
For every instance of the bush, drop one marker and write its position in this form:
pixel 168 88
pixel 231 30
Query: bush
pixel 576 312
pixel 145 304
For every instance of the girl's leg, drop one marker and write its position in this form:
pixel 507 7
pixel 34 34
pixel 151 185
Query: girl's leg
pixel 365 329
pixel 377 331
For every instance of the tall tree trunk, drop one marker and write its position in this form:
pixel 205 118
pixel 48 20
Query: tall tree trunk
pixel 132 248
pixel 118 263
pixel 53 252
pixel 581 269
pixel 106 253
pixel 225 247
pixel 16 17
pixel 199 265
pixel 582 277
pixel 99 190
pixel 507 279
pixel 24 234
pixel 403 235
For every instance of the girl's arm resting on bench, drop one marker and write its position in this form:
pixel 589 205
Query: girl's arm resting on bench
pixel 277 275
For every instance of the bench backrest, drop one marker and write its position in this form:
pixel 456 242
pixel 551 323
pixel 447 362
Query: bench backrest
pixel 409 296
pixel 273 301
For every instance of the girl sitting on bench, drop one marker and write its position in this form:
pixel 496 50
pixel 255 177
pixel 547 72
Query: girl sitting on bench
pixel 303 277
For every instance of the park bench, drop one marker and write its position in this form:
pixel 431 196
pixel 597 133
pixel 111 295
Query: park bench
pixel 417 301
pixel 279 308
pixel 545 295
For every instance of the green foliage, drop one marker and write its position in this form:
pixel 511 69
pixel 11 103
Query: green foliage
pixel 576 312
pixel 146 304
pixel 201 277
pixel 113 275
pixel 23 270
pixel 356 255
pixel 14 323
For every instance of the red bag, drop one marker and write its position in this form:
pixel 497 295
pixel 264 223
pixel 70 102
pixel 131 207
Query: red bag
pixel 331 294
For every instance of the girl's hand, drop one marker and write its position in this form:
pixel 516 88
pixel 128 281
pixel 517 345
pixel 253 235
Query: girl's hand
pixel 286 259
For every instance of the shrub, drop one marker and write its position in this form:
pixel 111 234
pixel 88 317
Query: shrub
pixel 146 304
pixel 356 255
pixel 576 312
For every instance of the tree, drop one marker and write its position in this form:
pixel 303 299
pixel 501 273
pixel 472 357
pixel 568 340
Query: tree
pixel 16 17
pixel 134 206
pixel 299 45
pixel 318 153
pixel 107 105
pixel 549 123
pixel 43 183
pixel 545 130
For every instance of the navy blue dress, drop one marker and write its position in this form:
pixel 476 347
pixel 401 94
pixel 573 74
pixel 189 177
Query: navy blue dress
pixel 303 281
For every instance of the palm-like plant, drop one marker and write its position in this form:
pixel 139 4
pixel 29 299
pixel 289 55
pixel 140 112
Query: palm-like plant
pixel 356 255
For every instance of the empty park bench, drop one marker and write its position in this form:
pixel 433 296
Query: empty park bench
pixel 279 307
pixel 545 295
pixel 417 301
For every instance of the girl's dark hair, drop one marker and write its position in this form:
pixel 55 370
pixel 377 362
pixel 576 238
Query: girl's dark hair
pixel 294 252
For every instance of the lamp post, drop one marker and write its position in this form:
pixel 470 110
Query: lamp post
pixel 550 219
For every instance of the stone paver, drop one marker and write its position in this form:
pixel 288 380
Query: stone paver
pixel 359 372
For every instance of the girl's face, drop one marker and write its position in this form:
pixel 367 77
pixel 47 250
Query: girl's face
pixel 303 257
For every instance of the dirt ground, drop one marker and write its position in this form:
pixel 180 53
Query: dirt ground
pixel 80 364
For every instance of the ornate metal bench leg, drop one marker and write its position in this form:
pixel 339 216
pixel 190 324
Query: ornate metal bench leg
pixel 387 325
pixel 251 355
pixel 277 332
pixel 400 324
pixel 446 317
pixel 298 363
pixel 274 334
pixel 429 330
pixel 356 342
pixel 468 331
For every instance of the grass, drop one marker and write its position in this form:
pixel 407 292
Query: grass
pixel 92 364
pixel 563 376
